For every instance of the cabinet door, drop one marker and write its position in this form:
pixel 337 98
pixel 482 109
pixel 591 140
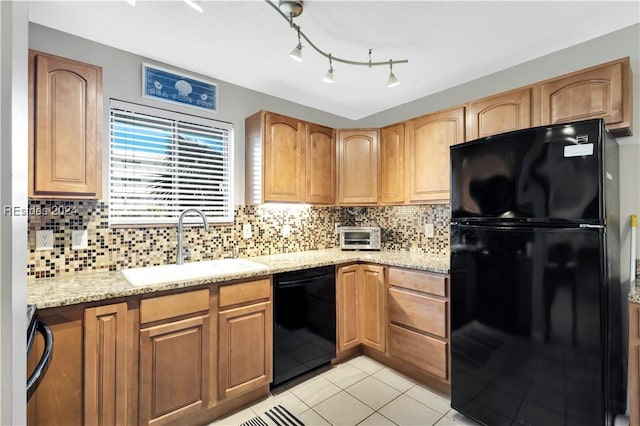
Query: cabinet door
pixel 174 370
pixel 357 167
pixel 320 164
pixel 106 344
pixel 593 93
pixel 498 114
pixel 58 400
pixel 392 165
pixel 347 307
pixel 428 154
pixel 371 295
pixel 66 128
pixel 245 349
pixel 284 156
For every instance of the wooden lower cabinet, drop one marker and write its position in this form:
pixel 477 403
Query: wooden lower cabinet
pixel 106 350
pixel 245 338
pixel 174 370
pixel 348 319
pixel 371 296
pixel 418 312
pixel 634 364
pixel 361 307
pixel 58 400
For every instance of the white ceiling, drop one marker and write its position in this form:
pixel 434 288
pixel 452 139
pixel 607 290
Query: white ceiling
pixel 247 42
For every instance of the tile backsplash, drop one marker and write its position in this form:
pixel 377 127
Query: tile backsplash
pixel 312 227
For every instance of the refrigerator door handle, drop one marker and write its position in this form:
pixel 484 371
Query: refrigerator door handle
pixel 588 226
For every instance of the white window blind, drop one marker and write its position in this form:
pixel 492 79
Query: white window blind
pixel 163 162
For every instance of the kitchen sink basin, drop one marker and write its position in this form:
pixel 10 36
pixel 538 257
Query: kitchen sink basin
pixel 190 271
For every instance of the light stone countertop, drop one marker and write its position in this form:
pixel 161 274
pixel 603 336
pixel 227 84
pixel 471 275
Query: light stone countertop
pixel 71 289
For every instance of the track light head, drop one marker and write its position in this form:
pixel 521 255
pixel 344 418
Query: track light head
pixel 393 80
pixel 296 53
pixel 328 77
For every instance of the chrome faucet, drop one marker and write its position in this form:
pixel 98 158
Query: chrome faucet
pixel 181 254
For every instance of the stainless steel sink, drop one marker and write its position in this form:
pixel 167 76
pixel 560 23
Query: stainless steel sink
pixel 190 271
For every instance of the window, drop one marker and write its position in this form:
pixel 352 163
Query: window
pixel 163 162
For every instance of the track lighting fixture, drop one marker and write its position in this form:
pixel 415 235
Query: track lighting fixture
pixel 296 53
pixel 328 77
pixel 393 80
pixel 289 9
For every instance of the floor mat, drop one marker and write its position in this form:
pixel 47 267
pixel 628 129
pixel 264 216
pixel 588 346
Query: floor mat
pixel 278 415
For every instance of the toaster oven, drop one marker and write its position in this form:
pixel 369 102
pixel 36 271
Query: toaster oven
pixel 360 238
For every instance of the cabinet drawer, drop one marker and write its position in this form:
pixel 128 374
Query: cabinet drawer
pixel 420 312
pixel 420 281
pixel 422 351
pixel 173 305
pixel 236 294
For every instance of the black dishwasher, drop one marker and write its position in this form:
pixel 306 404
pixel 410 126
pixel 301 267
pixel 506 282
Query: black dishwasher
pixel 304 326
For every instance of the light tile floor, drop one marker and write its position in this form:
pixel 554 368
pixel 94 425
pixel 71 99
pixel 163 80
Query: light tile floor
pixel 358 392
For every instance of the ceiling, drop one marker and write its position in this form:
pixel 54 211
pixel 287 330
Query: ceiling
pixel 247 42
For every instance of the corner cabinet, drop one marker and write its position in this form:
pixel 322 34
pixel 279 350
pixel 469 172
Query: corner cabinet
pixel 428 141
pixel 357 167
pixel 603 91
pixel 65 131
pixel 361 307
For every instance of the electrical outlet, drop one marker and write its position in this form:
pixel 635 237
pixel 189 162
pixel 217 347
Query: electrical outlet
pixel 44 239
pixel 79 240
pixel 246 231
pixel 336 227
pixel 428 230
pixel 286 230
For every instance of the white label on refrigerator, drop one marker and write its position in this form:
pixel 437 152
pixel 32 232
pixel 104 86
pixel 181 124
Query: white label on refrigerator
pixel 578 150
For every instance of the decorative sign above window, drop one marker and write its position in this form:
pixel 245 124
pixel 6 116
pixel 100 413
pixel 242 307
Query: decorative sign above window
pixel 162 84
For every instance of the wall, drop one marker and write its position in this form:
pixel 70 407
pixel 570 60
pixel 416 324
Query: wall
pixel 312 227
pixel 122 81
pixel 13 229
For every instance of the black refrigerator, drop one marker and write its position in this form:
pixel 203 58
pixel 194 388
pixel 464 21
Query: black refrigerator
pixel 535 283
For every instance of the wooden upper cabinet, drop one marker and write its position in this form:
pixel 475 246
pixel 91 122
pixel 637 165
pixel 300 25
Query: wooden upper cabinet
pixel 283 159
pixel 65 132
pixel 598 92
pixel 357 167
pixel 392 173
pixel 498 114
pixel 288 160
pixel 320 164
pixel 429 138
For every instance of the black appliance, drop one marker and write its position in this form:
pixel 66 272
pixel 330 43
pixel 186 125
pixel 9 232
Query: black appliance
pixel 535 285
pixel 35 326
pixel 304 326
